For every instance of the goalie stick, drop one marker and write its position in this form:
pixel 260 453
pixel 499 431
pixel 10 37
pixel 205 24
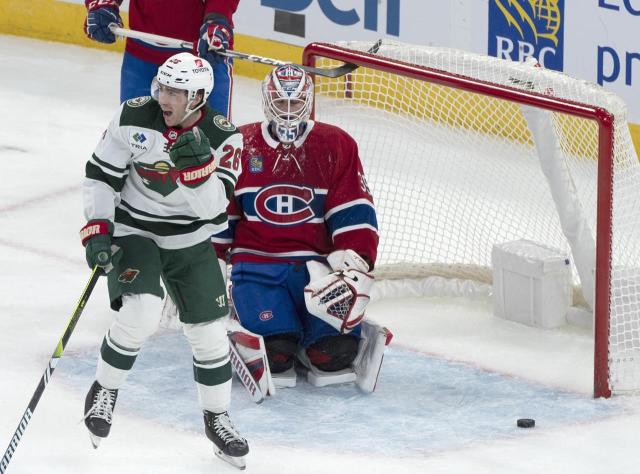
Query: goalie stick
pixel 178 43
pixel 57 353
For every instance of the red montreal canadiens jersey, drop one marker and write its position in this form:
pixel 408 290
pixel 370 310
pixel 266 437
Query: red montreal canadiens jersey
pixel 299 202
pixel 179 19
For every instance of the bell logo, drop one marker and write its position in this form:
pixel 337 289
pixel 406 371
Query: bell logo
pixel 198 62
pixel 519 29
pixel 367 15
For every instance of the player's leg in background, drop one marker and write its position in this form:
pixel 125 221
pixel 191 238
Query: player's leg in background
pixel 264 306
pixel 135 293
pixel 220 98
pixel 135 77
pixel 195 282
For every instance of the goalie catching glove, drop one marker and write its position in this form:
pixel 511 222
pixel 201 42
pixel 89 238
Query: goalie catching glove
pixel 339 294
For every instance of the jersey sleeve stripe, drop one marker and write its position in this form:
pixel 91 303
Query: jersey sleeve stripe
pixel 109 166
pixel 227 174
pixel 93 171
pixel 363 215
pixel 351 228
pixel 346 205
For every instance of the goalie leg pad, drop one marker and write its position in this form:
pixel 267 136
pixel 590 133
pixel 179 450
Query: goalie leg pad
pixel 281 350
pixel 333 353
pixel 367 364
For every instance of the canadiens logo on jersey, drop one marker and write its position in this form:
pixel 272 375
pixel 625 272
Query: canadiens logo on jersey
pixel 284 204
pixel 159 177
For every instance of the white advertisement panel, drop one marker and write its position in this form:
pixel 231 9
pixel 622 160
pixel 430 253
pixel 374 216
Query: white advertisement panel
pixel 589 39
pixel 300 22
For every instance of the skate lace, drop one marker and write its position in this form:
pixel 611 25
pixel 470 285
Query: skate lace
pixel 224 428
pixel 102 407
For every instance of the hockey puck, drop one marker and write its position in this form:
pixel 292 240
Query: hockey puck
pixel 526 423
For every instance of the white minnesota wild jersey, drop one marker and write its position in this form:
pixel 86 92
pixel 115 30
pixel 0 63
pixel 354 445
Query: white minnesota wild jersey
pixel 131 180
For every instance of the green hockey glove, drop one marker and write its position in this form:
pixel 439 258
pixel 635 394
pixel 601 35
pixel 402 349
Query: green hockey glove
pixel 191 149
pixel 191 153
pixel 96 237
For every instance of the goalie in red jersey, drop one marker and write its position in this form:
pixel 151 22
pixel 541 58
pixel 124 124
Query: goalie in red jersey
pixel 302 240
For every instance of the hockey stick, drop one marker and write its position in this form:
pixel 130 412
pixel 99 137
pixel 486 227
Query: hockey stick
pixel 158 40
pixel 71 324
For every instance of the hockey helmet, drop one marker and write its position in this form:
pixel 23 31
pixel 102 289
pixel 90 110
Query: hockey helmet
pixel 287 99
pixel 186 72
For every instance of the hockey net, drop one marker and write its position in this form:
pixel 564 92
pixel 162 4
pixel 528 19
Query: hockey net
pixel 463 151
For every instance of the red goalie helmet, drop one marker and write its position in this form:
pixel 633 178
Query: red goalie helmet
pixel 287 99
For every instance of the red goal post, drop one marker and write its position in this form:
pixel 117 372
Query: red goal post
pixel 448 99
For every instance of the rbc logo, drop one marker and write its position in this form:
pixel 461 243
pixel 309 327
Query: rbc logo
pixel 519 29
pixel 346 17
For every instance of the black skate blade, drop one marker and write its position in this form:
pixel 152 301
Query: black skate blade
pixel 95 440
pixel 238 462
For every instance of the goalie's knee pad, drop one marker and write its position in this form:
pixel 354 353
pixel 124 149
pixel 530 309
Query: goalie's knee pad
pixel 281 350
pixel 333 353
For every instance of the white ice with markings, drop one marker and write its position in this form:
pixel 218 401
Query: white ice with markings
pixel 454 381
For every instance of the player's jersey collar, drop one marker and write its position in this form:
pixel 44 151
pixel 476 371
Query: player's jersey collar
pixel 273 143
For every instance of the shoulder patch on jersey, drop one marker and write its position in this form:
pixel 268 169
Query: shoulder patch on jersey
pixel 138 101
pixel 223 124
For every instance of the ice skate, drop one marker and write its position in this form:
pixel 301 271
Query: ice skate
pixel 98 412
pixel 229 445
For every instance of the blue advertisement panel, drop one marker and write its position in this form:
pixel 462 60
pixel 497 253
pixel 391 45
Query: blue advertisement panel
pixel 519 29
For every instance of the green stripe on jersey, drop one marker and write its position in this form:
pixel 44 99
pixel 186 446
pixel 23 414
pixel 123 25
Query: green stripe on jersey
pixel 95 172
pixel 109 166
pixel 165 229
pixel 156 216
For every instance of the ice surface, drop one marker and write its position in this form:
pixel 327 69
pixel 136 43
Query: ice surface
pixel 430 413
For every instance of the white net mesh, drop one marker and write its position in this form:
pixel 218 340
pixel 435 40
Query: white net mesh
pixel 454 172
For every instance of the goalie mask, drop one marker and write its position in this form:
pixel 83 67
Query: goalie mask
pixel 287 98
pixel 186 72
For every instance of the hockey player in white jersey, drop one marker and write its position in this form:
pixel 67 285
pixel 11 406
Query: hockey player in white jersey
pixel 156 189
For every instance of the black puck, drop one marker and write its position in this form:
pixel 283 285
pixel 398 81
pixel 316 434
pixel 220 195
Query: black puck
pixel 526 423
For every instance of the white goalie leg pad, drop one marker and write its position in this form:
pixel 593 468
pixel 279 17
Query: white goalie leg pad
pixel 251 349
pixel 374 341
pixel 320 378
pixel 134 323
pixel 210 347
